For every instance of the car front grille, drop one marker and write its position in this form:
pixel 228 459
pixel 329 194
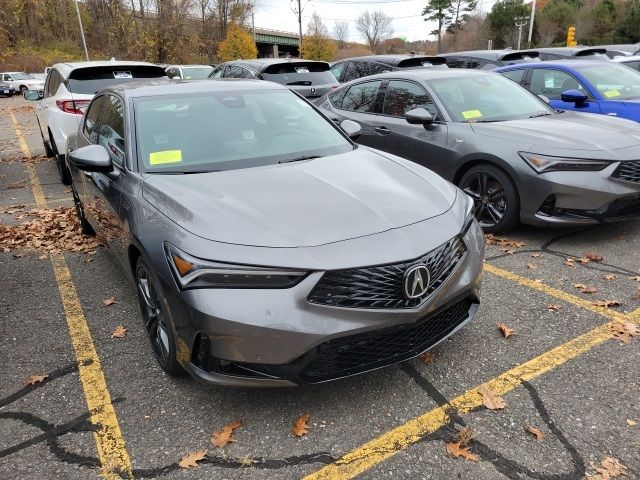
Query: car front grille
pixel 625 207
pixel 382 286
pixel 629 171
pixel 359 353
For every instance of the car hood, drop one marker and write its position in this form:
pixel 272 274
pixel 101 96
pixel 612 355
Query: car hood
pixel 301 204
pixel 566 131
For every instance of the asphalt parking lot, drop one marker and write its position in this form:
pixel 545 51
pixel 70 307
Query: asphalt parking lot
pixel 105 408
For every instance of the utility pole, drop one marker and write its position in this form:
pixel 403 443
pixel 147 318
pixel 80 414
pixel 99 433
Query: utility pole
pixel 84 43
pixel 520 22
pixel 533 16
pixel 298 12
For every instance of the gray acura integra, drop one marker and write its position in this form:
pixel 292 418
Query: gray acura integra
pixel 266 248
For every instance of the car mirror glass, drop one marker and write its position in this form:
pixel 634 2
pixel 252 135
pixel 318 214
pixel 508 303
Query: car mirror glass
pixel 573 96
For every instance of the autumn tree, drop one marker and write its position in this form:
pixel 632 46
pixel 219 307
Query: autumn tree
pixel 501 21
pixel 374 27
pixel 629 27
pixel 316 44
pixel 341 32
pixel 438 11
pixel 237 44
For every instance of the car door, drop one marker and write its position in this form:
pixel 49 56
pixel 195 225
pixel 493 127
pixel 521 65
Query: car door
pixel 552 82
pixel 425 146
pixel 48 102
pixel 359 103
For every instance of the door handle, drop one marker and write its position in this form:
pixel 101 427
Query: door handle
pixel 382 130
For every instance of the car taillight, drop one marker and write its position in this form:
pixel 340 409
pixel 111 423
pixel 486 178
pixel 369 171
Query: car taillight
pixel 76 107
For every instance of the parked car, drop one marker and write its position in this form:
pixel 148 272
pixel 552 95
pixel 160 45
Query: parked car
pixel 21 81
pixel 259 255
pixel 559 53
pixel 487 59
pixel 68 90
pixel 358 67
pixel 189 72
pixel 517 157
pixel 309 78
pixel 632 61
pixel 608 88
pixel 6 89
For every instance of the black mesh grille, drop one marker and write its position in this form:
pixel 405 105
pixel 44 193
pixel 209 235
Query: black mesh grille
pixel 625 207
pixel 359 353
pixel 382 286
pixel 629 171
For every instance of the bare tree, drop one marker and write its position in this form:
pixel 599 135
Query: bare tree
pixel 341 32
pixel 374 27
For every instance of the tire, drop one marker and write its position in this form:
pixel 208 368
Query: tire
pixel 23 89
pixel 497 204
pixel 85 226
pixel 63 171
pixel 158 326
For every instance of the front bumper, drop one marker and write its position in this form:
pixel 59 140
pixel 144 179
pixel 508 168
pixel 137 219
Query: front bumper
pixel 279 338
pixel 578 198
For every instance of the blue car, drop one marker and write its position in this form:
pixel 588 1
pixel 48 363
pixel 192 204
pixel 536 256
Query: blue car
pixel 607 88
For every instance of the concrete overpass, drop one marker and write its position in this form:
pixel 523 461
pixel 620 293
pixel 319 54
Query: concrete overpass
pixel 275 43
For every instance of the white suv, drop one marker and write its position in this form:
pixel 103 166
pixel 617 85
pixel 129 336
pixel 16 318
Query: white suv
pixel 69 88
pixel 21 81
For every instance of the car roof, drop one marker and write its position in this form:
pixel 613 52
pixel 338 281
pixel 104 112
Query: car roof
pixel 425 74
pixel 189 66
pixel 9 73
pixel 262 63
pixel 570 51
pixel 628 58
pixel 151 88
pixel 488 54
pixel 387 59
pixel 568 64
pixel 66 68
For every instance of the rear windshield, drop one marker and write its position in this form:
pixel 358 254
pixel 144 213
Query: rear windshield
pixel 512 58
pixel 422 62
pixel 91 80
pixel 196 73
pixel 299 73
pixel 591 53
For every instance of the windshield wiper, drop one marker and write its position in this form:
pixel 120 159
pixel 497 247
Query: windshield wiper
pixel 306 83
pixel 541 114
pixel 299 159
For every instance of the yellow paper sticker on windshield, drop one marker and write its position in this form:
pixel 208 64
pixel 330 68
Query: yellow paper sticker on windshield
pixel 166 156
pixel 469 114
pixel 611 93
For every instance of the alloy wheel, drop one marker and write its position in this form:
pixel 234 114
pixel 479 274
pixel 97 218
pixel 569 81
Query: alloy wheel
pixel 489 197
pixel 153 318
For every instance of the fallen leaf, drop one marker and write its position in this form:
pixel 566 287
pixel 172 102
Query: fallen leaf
pixel 464 436
pixel 531 266
pixel 569 262
pixel 223 437
pixel 584 260
pixel 427 357
pixel 33 379
pixel 609 468
pixel 624 331
pixel 119 332
pixel 110 301
pixel 611 276
pixel 607 303
pixel 635 278
pixel 457 450
pixel 536 255
pixel 631 423
pixel 554 308
pixel 490 399
pixel 636 294
pixel 508 251
pixel 594 257
pixel 300 426
pixel 535 431
pixel 506 331
pixel 579 286
pixel 589 290
pixel 190 460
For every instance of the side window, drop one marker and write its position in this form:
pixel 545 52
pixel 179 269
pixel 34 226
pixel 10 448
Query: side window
pixel 455 62
pixel 55 82
pixel 245 73
pixel 551 83
pixel 8 78
pixel 402 96
pixel 361 97
pixel 471 63
pixel 233 71
pixel 336 97
pixel 515 75
pixel 351 72
pixel 375 68
pixel 337 69
pixel 112 129
pixel 91 119
pixel 634 65
pixel 217 73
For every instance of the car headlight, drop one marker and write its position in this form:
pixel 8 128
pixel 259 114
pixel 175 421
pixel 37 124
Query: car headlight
pixel 545 163
pixel 191 272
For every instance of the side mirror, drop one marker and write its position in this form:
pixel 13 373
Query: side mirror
pixel 419 116
pixel 31 95
pixel 573 96
pixel 351 128
pixel 544 99
pixel 92 158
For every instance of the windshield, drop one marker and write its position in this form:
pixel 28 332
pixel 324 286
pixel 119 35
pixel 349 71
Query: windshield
pixel 22 76
pixel 613 81
pixel 231 130
pixel 487 98
pixel 90 80
pixel 299 73
pixel 196 73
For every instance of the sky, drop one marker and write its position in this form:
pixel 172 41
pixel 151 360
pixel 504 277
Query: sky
pixel 406 14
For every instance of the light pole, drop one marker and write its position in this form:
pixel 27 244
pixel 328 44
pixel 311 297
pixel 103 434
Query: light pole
pixel 84 43
pixel 533 16
pixel 298 12
pixel 520 22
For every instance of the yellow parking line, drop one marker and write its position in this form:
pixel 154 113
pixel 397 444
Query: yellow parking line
pixel 376 451
pixel 108 437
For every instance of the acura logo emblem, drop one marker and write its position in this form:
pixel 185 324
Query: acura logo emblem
pixel 416 281
pixel 312 91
